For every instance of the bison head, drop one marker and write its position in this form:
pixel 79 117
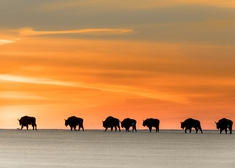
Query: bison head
pixel 104 124
pixel 122 124
pixel 217 125
pixel 66 123
pixel 19 121
pixel 144 123
pixel 182 125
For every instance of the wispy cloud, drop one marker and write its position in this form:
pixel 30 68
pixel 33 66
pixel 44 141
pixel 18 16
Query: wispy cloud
pixel 28 31
pixel 147 4
pixel 21 79
pixel 3 41
pixel 101 87
pixel 18 95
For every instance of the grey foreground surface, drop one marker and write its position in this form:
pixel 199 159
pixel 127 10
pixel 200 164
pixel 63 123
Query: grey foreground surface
pixel 99 149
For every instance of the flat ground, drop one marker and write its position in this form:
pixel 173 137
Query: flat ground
pixel 96 148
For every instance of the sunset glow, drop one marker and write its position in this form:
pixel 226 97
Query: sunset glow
pixel 169 60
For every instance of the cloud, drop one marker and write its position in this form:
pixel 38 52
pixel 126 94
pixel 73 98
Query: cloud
pixel 18 95
pixel 101 87
pixel 28 31
pixel 129 5
pixel 3 41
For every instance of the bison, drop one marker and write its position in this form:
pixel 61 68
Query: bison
pixel 223 124
pixel 150 122
pixel 189 123
pixel 111 122
pixel 127 123
pixel 73 122
pixel 26 121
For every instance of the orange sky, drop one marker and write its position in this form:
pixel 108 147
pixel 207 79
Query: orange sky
pixel 169 60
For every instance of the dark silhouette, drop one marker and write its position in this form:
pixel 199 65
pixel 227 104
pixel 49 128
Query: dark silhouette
pixel 25 121
pixel 73 122
pixel 111 122
pixel 223 124
pixel 189 123
pixel 127 123
pixel 150 122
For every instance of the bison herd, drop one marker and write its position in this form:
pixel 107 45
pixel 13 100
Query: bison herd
pixel 127 123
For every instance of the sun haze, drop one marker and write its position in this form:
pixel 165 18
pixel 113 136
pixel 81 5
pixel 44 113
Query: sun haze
pixel 169 60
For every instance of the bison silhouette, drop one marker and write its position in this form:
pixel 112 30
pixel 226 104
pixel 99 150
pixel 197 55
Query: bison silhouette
pixel 127 123
pixel 189 123
pixel 73 122
pixel 25 121
pixel 111 122
pixel 223 124
pixel 150 122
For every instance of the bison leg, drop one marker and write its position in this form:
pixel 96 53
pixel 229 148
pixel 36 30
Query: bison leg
pixel 80 126
pixel 134 128
pixel 230 131
pixel 27 127
pixel 220 130
pixel 119 128
pixel 196 129
pixel 157 129
pixel 185 130
pixel 106 128
pixel 150 129
pixel 35 126
pixel 200 129
pixel 111 128
pixel 190 129
pixel 225 130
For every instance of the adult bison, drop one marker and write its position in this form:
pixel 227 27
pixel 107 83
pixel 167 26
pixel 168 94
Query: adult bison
pixel 127 123
pixel 150 122
pixel 111 122
pixel 73 122
pixel 189 123
pixel 223 124
pixel 25 121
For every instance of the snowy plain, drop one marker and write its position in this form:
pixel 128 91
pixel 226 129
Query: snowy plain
pixel 99 149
